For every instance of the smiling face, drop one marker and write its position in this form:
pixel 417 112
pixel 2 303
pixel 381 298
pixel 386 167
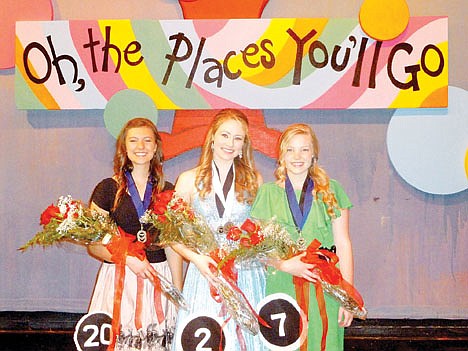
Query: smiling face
pixel 228 141
pixel 140 144
pixel 298 155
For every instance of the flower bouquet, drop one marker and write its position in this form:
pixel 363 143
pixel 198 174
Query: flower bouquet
pixel 269 240
pixel 259 240
pixel 70 221
pixel 178 223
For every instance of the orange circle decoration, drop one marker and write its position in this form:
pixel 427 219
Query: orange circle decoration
pixel 384 20
pixel 19 10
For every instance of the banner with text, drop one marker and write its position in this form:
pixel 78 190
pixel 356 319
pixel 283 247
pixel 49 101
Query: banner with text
pixel 284 63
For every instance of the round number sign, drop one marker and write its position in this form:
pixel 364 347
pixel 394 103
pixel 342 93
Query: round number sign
pixel 93 332
pixel 284 318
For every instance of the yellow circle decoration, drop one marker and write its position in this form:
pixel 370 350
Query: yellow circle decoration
pixel 384 20
pixel 466 163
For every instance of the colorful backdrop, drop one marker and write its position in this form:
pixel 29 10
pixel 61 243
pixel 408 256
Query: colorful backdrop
pixel 404 169
pixel 293 63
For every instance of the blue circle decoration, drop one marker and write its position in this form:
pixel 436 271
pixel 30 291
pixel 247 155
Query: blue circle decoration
pixel 427 147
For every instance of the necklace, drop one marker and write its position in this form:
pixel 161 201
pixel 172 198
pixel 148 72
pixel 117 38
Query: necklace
pixel 300 210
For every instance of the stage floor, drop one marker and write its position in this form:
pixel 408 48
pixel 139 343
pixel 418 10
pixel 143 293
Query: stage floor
pixel 53 331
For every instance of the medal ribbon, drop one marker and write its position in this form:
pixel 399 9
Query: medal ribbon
pixel 140 206
pixel 224 195
pixel 299 210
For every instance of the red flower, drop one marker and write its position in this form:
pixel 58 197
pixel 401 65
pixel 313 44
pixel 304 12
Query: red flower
pixel 245 242
pixel 256 238
pixel 179 206
pixel 165 196
pixel 162 218
pixel 159 208
pixel 249 226
pixel 234 233
pixel 162 199
pixel 50 212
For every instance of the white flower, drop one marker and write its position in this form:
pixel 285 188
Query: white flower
pixel 64 203
pixel 67 224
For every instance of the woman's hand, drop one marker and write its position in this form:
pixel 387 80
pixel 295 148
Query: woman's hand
pixel 296 267
pixel 345 317
pixel 206 265
pixel 142 269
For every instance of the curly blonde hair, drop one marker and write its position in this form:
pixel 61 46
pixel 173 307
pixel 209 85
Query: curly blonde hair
pixel 318 174
pixel 246 180
pixel 122 163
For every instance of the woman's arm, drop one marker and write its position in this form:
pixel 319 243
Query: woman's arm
pixel 176 265
pixel 259 179
pixel 296 267
pixel 185 185
pixel 344 251
pixel 100 251
pixel 185 188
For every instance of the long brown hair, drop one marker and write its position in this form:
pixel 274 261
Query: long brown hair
pixel 318 174
pixel 122 163
pixel 246 181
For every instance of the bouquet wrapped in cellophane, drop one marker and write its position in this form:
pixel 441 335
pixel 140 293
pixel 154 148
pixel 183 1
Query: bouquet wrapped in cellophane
pixel 269 240
pixel 71 221
pixel 178 223
pixel 259 241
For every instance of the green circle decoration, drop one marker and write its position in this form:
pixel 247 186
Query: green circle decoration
pixel 125 105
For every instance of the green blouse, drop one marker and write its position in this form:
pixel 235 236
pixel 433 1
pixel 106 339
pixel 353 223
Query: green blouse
pixel 271 201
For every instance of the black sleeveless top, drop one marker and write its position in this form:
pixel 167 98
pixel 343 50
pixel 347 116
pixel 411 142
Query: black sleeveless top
pixel 125 215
